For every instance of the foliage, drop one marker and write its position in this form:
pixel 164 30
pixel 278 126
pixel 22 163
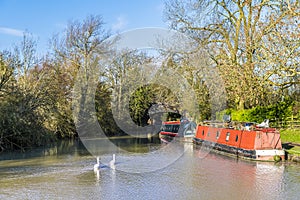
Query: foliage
pixel 274 112
pixel 36 94
pixel 21 125
pixel 104 111
pixel 253 51
pixel 296 109
pixel 139 104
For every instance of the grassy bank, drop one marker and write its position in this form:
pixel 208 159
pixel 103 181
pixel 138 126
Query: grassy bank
pixel 294 150
pixel 290 135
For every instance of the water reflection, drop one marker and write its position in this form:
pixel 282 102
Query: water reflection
pixel 240 179
pixel 70 175
pixel 74 147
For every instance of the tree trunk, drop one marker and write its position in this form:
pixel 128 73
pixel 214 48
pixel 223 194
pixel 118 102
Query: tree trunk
pixel 241 105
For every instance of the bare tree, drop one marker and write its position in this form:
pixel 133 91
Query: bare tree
pixel 279 57
pixel 79 53
pixel 233 32
pixel 125 72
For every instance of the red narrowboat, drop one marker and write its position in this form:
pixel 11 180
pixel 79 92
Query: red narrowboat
pixel 185 130
pixel 257 143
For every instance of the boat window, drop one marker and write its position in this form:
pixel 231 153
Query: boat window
pixel 202 132
pixel 208 134
pixel 175 128
pixel 236 138
pixel 218 135
pixel 171 128
pixel 227 136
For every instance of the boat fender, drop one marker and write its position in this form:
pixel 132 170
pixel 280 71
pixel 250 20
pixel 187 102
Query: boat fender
pixel 276 158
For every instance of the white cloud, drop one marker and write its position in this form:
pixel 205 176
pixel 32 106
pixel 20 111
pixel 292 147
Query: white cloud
pixel 11 31
pixel 120 24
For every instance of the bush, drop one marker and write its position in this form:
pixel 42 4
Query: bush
pixel 280 111
pixel 21 127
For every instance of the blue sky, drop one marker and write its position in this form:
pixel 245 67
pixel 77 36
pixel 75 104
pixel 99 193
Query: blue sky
pixel 43 18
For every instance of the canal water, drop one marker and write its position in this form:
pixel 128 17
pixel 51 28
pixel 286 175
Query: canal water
pixel 143 170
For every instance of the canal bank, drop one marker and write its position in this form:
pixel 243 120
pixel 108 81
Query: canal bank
pixel 291 143
pixel 292 152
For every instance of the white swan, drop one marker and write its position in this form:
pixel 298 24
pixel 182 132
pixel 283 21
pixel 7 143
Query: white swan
pixel 112 162
pixel 97 166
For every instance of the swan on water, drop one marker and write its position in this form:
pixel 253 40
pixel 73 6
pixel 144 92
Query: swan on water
pixel 112 162
pixel 97 166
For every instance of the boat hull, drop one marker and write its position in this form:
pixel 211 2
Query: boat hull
pixel 169 138
pixel 258 155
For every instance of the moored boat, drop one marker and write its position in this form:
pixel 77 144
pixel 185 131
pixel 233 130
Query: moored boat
pixel 256 143
pixel 179 130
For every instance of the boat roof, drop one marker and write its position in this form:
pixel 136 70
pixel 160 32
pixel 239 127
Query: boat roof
pixel 172 123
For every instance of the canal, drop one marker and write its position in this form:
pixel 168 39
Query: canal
pixel 144 170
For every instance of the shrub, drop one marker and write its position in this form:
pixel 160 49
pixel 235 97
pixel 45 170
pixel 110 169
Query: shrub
pixel 280 111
